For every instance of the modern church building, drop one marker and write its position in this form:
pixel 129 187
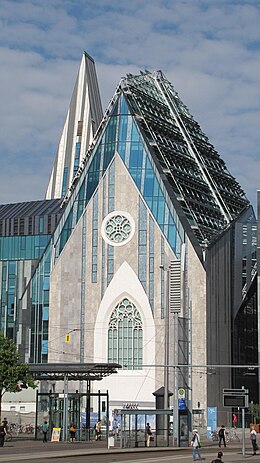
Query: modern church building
pixel 143 252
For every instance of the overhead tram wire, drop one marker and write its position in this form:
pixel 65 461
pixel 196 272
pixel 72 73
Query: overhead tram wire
pixel 182 365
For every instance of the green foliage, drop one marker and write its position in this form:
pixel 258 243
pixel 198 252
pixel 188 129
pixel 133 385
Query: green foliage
pixel 14 375
pixel 254 409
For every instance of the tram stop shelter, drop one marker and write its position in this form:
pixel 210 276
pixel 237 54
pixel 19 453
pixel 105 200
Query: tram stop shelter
pixel 66 407
pixel 133 424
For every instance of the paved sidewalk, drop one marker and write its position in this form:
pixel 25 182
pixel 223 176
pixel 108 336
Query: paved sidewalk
pixel 30 449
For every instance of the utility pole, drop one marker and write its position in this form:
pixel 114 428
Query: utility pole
pixel 175 308
pixel 175 380
pixel 166 354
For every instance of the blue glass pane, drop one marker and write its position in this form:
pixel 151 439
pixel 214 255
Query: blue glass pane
pixel 135 134
pixel 93 176
pixel 124 107
pixel 148 183
pixel 45 313
pixel 123 128
pixel 115 110
pixel 45 347
pixel 172 236
pixel 64 181
pixel 156 187
pixel 137 175
pixel 160 214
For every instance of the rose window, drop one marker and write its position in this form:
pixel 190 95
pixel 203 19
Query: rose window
pixel 118 228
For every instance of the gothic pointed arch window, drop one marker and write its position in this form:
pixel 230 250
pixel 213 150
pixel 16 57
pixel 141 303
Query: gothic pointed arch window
pixel 125 336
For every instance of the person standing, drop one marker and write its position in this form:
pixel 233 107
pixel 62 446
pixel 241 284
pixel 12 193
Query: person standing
pixel 195 443
pixel 2 434
pixel 5 423
pixel 222 436
pixel 148 433
pixel 72 432
pixel 234 420
pixel 253 440
pixel 219 458
pixel 98 430
pixel 45 429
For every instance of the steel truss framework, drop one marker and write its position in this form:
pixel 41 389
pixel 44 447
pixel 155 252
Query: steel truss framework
pixel 208 194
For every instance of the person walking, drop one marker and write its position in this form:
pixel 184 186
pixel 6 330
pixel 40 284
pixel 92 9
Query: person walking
pixel 219 458
pixel 148 433
pixel 195 443
pixel 222 436
pixel 253 440
pixel 2 433
pixel 45 429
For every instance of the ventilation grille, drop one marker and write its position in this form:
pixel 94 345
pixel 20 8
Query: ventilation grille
pixel 175 286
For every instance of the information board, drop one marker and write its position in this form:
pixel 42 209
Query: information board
pixel 55 435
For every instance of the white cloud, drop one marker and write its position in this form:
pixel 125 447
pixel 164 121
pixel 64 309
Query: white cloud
pixel 208 49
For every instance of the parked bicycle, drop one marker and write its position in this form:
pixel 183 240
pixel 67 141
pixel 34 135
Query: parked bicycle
pixel 9 436
pixel 214 436
pixel 231 435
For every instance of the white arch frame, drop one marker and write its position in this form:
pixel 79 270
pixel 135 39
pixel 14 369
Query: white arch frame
pixel 125 284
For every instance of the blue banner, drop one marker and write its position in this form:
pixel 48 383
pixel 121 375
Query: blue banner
pixel 212 420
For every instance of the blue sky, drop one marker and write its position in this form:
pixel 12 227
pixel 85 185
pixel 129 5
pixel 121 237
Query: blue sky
pixel 208 49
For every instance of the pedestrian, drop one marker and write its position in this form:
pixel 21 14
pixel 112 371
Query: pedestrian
pixel 148 433
pixel 5 422
pixel 234 420
pixel 219 458
pixel 2 434
pixel 98 430
pixel 195 443
pixel 45 429
pixel 72 432
pixel 222 436
pixel 253 440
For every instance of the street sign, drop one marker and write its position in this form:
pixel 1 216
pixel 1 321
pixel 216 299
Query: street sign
pixel 235 398
pixel 235 391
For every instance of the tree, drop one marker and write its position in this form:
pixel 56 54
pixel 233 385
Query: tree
pixel 14 375
pixel 254 410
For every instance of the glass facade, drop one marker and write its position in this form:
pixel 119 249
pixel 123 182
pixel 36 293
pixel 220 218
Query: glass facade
pixel 40 309
pixel 22 247
pixel 26 232
pixel 122 135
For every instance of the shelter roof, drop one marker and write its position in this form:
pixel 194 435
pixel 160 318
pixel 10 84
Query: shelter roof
pixel 73 371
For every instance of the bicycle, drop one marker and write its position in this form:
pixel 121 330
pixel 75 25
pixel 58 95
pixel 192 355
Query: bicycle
pixel 8 436
pixel 214 436
pixel 232 436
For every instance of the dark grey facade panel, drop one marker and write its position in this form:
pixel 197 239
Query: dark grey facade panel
pixel 24 218
pixel 219 320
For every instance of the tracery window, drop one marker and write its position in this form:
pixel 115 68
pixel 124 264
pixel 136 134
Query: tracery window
pixel 125 336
